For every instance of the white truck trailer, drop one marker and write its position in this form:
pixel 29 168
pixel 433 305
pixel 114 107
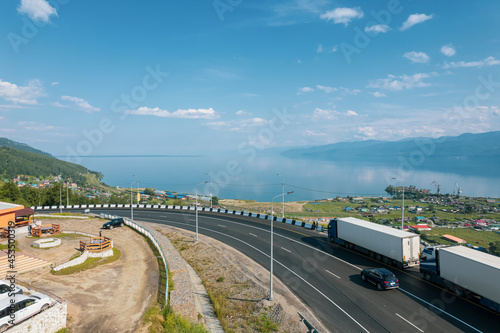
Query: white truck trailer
pixel 386 244
pixel 467 272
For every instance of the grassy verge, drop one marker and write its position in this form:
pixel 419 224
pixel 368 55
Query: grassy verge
pixel 167 321
pixel 89 264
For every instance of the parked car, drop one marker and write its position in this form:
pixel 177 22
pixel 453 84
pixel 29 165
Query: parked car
pixel 381 277
pixel 5 289
pixel 113 223
pixel 24 306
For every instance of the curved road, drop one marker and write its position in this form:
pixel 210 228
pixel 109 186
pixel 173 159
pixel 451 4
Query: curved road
pixel 326 277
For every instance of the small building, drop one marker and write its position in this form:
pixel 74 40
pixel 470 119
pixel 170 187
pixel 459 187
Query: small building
pixel 17 214
pixel 419 218
pixel 348 208
pixel 454 239
pixel 420 227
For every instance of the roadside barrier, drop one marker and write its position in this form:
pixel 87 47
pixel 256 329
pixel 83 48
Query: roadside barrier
pixel 148 234
pixel 188 208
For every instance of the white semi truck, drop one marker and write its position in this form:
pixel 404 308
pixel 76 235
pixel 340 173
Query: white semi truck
pixel 467 272
pixel 386 244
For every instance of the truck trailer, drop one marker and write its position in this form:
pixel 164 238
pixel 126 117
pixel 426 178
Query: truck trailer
pixel 386 244
pixel 467 272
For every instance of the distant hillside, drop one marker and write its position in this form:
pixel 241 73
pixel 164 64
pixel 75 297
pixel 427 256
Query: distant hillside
pixel 15 162
pixel 470 147
pixel 4 142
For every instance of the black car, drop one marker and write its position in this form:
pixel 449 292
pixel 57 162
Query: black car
pixel 381 277
pixel 113 223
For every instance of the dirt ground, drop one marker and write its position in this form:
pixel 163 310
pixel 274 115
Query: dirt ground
pixel 108 298
pixel 262 207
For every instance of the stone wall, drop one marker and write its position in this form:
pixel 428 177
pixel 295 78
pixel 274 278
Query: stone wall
pixel 81 259
pixel 48 321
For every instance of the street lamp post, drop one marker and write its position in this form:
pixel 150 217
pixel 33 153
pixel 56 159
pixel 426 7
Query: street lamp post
pixel 196 209
pixel 402 208
pixel 210 189
pixel 272 236
pixel 131 199
pixel 283 192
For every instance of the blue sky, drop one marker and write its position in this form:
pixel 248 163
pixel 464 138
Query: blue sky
pixel 190 77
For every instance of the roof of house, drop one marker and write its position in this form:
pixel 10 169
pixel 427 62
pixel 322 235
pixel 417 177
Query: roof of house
pixel 8 205
pixel 454 239
pixel 24 212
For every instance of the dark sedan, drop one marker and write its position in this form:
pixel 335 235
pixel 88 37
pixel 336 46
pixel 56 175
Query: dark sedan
pixel 113 223
pixel 381 277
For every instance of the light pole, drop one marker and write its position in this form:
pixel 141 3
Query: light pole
pixel 272 236
pixel 402 208
pixel 131 199
pixel 196 209
pixel 210 189
pixel 60 197
pixel 283 193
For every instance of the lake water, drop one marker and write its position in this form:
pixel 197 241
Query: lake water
pixel 244 177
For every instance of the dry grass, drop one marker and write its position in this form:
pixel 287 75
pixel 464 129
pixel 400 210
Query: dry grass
pixel 262 207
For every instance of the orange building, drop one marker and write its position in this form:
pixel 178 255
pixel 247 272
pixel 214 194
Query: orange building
pixel 15 213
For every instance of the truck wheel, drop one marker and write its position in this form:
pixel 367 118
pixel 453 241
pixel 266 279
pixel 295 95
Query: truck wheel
pixel 331 239
pixel 372 254
pixel 428 277
pixel 378 257
pixel 385 260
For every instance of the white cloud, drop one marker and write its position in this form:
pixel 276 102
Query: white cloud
pixel 490 61
pixel 319 49
pixel 79 103
pixel 305 90
pixel 242 113
pixel 397 83
pixel 367 131
pixel 37 10
pixel 238 125
pixel 54 83
pixel 322 114
pixel 377 28
pixel 334 49
pixel 22 94
pixel 33 126
pixel 342 15
pixel 350 91
pixel 326 89
pixel 180 113
pixel 448 50
pixel 314 133
pixel 417 57
pixel 377 94
pixel 415 19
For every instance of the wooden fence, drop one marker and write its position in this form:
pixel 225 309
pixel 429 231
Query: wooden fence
pixel 46 230
pixel 96 244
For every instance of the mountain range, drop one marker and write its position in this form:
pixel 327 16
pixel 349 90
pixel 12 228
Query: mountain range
pixel 466 147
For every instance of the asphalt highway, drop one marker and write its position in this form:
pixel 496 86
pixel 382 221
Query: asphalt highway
pixel 327 278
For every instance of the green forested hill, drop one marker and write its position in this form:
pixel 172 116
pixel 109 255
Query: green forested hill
pixel 15 162
pixel 4 142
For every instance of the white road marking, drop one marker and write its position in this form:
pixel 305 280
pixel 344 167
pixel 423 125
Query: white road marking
pixel 440 310
pixel 338 277
pixel 253 234
pixel 222 226
pixel 409 322
pixel 286 250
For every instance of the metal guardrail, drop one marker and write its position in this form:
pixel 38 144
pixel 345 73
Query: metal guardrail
pixel 309 326
pixel 148 234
